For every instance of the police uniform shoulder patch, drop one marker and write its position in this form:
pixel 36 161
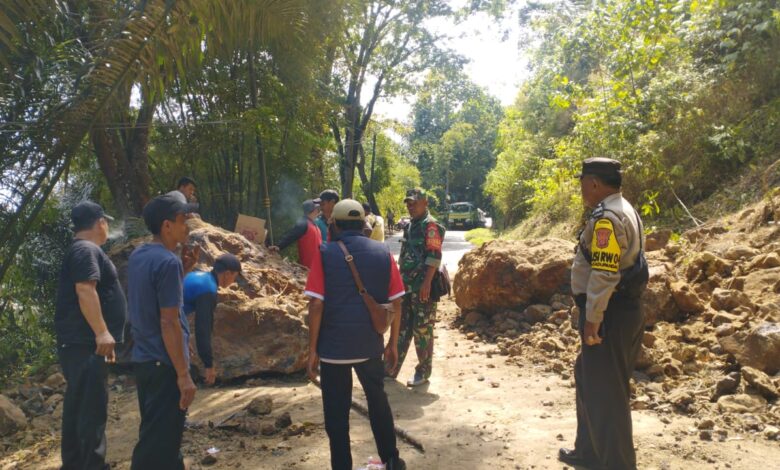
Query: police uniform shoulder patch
pixel 604 247
pixel 433 239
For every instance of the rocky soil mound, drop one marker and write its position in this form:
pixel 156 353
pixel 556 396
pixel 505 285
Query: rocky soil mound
pixel 259 323
pixel 712 343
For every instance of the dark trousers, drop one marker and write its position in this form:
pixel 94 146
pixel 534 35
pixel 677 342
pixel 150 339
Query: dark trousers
pixel 162 422
pixel 336 381
pixel 84 410
pixel 602 373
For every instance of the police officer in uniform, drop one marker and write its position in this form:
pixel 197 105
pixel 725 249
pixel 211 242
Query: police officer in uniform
pixel 420 259
pixel 608 277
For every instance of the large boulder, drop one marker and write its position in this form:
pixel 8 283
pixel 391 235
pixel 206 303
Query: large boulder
pixel 758 348
pixel 504 274
pixel 12 417
pixel 255 336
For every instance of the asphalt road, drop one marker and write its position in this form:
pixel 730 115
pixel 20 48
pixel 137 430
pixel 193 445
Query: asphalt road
pixel 453 249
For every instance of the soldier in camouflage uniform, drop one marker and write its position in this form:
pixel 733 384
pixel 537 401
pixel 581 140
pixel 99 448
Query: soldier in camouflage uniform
pixel 420 259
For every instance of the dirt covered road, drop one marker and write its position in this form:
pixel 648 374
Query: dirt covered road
pixel 478 412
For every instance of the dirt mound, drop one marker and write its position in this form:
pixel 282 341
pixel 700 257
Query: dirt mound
pixel 712 342
pixel 259 322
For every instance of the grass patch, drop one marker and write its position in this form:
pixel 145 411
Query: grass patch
pixel 478 236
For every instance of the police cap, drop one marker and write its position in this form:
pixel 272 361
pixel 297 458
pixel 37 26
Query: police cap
pixel 600 166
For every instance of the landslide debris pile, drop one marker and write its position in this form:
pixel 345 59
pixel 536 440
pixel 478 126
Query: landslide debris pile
pixel 259 324
pixel 711 348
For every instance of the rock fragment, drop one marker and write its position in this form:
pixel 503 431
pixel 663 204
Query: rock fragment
pixel 12 418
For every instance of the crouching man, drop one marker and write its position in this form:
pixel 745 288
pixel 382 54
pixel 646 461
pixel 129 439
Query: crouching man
pixel 200 298
pixel 342 336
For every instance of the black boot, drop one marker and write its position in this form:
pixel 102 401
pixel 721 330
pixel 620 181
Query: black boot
pixel 572 457
pixel 396 464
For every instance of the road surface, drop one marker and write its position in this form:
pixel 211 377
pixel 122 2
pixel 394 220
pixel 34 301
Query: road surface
pixel 453 248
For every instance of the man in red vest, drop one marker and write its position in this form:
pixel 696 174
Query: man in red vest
pixel 306 233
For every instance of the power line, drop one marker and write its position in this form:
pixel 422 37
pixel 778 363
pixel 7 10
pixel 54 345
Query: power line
pixel 25 126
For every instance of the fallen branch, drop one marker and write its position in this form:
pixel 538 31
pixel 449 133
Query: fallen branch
pixel 694 219
pixel 399 431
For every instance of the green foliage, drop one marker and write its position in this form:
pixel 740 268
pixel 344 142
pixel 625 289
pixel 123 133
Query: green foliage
pixel 684 93
pixel 479 236
pixel 28 295
pixel 394 173
pixel 454 133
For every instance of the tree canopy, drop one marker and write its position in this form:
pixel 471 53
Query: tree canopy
pixel 684 93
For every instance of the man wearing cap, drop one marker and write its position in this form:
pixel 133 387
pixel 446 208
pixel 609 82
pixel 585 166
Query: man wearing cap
pixel 328 200
pixel 608 277
pixel 200 297
pixel 342 336
pixel 161 336
pixel 89 318
pixel 420 259
pixel 306 233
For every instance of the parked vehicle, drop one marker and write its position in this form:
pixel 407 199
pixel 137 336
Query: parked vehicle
pixel 403 222
pixel 464 215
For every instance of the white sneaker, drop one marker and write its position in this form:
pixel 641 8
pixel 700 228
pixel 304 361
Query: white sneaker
pixel 416 380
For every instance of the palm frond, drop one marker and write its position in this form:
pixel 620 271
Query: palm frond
pixel 59 133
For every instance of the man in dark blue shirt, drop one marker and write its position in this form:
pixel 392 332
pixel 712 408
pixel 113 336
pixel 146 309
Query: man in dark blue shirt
pixel 200 297
pixel 89 319
pixel 161 336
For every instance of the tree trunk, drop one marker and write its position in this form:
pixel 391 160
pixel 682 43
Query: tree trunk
pixel 260 151
pixel 352 144
pixel 123 156
pixel 364 182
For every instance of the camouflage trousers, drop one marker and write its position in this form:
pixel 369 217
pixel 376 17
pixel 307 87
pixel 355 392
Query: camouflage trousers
pixel 417 319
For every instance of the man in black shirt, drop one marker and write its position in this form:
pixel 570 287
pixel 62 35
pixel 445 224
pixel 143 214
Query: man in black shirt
pixel 89 319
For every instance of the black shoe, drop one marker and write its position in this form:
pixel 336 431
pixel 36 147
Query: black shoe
pixel 396 464
pixel 571 457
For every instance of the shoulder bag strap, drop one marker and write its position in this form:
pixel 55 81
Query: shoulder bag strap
pixel 351 263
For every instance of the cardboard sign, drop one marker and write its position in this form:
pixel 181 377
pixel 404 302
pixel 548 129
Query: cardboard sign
pixel 252 228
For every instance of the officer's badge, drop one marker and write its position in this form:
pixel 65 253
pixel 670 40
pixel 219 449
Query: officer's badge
pixel 432 238
pixel 605 250
pixel 602 237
